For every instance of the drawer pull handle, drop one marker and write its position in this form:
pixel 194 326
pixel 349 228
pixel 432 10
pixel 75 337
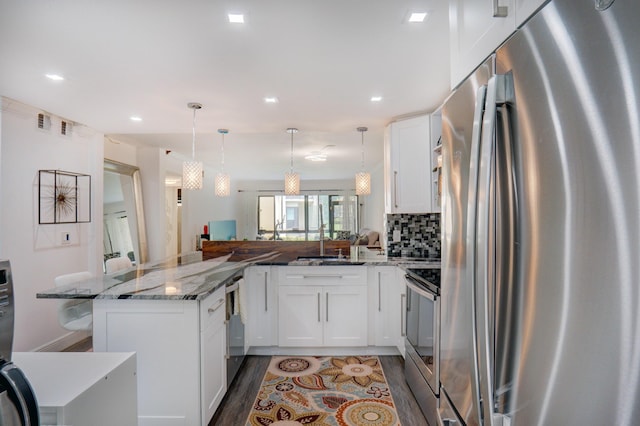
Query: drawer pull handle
pixel 403 328
pixel 266 308
pixel 322 276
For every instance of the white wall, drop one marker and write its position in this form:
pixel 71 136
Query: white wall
pixel 35 251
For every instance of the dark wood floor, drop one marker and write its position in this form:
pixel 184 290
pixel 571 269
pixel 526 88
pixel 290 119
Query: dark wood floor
pixel 235 406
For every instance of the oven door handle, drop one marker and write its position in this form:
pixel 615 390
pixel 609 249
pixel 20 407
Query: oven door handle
pixel 418 289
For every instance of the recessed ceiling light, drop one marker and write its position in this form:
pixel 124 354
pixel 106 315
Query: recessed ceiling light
pixel 135 118
pixel 376 98
pixel 271 100
pixel 236 18
pixel 417 17
pixel 54 77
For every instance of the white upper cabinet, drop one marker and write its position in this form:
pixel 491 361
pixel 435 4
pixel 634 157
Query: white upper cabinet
pixel 408 166
pixel 478 27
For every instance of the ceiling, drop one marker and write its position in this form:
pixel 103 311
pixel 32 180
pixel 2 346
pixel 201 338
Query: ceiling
pixel 323 60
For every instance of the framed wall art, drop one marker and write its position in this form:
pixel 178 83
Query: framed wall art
pixel 63 197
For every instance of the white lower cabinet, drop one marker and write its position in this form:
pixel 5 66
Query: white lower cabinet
pixel 322 306
pixel 388 304
pixel 180 347
pixel 262 301
pixel 213 365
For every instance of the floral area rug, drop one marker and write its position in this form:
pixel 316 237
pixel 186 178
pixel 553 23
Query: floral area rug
pixel 324 391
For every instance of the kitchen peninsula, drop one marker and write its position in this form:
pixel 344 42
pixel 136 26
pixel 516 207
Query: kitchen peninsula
pixel 173 316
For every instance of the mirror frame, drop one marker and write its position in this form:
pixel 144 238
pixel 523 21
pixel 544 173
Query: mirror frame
pixel 134 172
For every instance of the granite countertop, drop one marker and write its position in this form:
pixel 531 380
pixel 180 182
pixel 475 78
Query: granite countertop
pixel 191 279
pixel 360 255
pixel 166 280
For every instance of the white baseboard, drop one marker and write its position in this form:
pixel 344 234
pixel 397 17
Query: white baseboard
pixel 318 351
pixel 63 342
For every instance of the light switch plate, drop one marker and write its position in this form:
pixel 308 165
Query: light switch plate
pixel 396 236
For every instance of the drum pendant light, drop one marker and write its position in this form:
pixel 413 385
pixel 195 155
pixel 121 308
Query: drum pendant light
pixel 192 170
pixel 223 181
pixel 291 179
pixel 363 179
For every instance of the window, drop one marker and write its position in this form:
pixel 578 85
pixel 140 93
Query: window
pixel 298 217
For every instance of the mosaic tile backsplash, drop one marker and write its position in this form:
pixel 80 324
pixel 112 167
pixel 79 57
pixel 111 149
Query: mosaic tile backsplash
pixel 419 235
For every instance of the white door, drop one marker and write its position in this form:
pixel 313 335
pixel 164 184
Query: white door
pixel 300 321
pixel 411 165
pixel 345 315
pixel 388 306
pixel 261 300
pixel 214 368
pixel 475 33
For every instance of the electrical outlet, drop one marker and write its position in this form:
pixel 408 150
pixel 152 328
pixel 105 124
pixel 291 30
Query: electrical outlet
pixel 396 236
pixel 66 238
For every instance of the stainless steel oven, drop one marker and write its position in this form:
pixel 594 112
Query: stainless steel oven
pixel 422 343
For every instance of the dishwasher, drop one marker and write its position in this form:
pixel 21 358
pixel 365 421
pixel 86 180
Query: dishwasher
pixel 235 328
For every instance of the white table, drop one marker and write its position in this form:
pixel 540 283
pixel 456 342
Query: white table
pixel 82 388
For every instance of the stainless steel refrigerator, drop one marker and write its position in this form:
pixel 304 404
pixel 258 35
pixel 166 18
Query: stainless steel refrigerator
pixel 540 308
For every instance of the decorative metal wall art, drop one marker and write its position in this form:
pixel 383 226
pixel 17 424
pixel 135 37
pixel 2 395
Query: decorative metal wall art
pixel 63 197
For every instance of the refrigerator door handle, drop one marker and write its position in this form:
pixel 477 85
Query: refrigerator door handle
pixel 484 268
pixel 474 162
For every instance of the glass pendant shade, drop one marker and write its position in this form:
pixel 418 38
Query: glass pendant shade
pixel 192 175
pixel 363 183
pixel 291 179
pixel 222 185
pixel 363 179
pixel 291 183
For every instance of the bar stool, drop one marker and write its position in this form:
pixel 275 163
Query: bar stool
pixel 75 314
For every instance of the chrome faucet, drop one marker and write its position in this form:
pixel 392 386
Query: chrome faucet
pixel 321 232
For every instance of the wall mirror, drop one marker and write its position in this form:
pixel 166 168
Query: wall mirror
pixel 124 228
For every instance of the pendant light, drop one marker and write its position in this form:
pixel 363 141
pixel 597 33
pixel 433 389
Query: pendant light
pixel 192 170
pixel 223 181
pixel 291 179
pixel 363 179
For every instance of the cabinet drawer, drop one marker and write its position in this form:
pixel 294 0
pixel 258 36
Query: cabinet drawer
pixel 212 309
pixel 322 275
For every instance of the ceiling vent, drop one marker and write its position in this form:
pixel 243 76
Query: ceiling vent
pixel 44 121
pixel 65 127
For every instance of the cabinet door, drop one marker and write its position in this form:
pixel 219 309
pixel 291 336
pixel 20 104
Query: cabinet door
pixel 411 165
pixel 387 304
pixel 401 288
pixel 214 369
pixel 213 344
pixel 345 315
pixel 262 312
pixel 300 320
pixel 476 33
